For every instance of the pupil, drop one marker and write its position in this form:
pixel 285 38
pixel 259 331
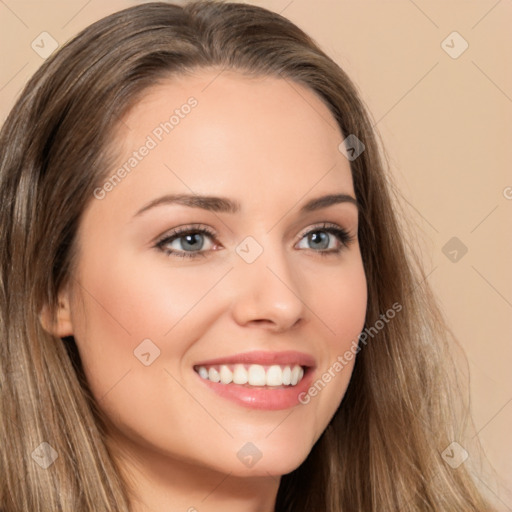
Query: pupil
pixel 193 241
pixel 320 238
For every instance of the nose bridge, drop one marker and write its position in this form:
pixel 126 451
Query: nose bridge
pixel 266 284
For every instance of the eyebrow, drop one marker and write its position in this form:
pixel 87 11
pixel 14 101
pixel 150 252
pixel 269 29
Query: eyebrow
pixel 225 205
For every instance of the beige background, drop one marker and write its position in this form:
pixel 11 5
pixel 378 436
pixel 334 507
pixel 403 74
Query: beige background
pixel 446 124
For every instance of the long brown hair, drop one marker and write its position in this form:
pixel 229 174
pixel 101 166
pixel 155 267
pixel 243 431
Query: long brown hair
pixel 382 451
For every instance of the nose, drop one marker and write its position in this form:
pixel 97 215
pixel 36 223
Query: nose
pixel 266 292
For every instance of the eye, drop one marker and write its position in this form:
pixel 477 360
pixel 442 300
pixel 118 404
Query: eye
pixel 197 240
pixel 326 239
pixel 187 242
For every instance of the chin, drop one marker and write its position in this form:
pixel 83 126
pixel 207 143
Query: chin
pixel 263 459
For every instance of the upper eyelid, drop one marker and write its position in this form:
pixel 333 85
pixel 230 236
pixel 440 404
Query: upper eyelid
pixel 183 230
pixel 322 225
pixel 192 228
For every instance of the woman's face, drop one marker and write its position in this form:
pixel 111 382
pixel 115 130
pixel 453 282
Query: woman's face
pixel 210 257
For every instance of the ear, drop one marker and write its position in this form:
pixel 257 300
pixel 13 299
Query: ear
pixel 58 323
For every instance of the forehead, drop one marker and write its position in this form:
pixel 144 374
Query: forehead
pixel 230 133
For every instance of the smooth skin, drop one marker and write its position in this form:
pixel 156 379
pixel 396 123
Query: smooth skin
pixel 271 145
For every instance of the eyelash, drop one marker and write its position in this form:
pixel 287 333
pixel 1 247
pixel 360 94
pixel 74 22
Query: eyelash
pixel 341 234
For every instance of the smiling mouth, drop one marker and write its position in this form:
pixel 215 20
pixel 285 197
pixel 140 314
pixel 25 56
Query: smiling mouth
pixel 252 375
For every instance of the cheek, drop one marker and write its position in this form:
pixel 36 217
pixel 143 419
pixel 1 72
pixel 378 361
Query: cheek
pixel 145 299
pixel 121 307
pixel 340 301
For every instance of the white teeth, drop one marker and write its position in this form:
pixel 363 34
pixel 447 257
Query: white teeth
pixel 297 374
pixel 287 376
pixel 254 374
pixel 257 375
pixel 213 375
pixel 226 376
pixel 240 375
pixel 274 376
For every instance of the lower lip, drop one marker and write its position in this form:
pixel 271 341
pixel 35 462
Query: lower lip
pixel 267 398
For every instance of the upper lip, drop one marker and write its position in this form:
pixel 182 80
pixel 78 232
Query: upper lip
pixel 287 358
